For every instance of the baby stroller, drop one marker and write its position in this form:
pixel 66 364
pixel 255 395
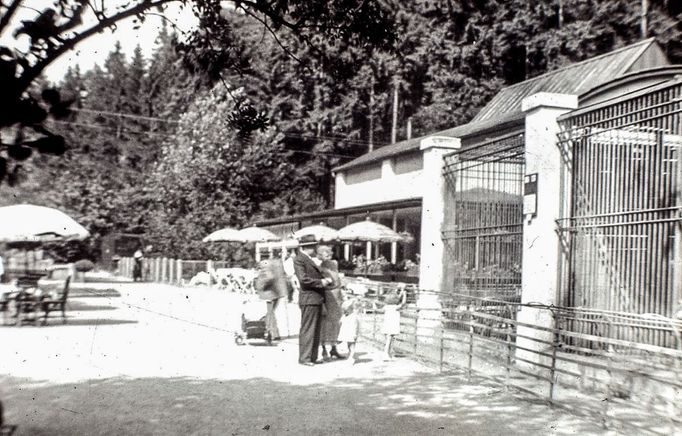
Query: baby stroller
pixel 253 322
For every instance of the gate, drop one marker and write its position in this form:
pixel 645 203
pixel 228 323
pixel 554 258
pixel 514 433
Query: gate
pixel 483 223
pixel 620 234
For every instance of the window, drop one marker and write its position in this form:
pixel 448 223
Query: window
pixel 408 163
pixel 363 174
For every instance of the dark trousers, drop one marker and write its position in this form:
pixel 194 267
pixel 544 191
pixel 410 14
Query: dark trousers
pixel 271 320
pixel 309 337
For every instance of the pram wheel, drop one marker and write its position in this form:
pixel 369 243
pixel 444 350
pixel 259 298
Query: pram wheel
pixel 239 339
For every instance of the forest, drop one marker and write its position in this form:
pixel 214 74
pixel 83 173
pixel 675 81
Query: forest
pixel 154 146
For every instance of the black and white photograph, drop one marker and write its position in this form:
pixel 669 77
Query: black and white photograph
pixel 340 217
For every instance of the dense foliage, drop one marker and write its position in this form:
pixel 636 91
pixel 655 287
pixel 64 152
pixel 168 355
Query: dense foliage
pixel 238 124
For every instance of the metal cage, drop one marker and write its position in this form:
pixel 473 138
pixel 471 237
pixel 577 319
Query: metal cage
pixel 621 225
pixel 483 226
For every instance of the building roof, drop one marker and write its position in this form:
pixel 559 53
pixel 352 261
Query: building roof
pixel 463 131
pixel 576 78
pixel 504 110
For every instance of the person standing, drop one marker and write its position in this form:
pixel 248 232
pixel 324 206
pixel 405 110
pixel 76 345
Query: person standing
pixel 311 299
pixel 333 297
pixel 394 302
pixel 271 284
pixel 137 267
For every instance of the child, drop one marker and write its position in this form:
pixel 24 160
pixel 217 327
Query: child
pixel 394 301
pixel 350 326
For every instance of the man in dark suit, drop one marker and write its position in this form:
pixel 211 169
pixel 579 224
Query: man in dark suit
pixel 311 299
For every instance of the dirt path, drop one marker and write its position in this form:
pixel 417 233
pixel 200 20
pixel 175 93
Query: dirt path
pixel 162 360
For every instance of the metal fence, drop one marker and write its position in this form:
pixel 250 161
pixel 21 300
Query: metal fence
pixel 633 387
pixel 620 234
pixel 483 225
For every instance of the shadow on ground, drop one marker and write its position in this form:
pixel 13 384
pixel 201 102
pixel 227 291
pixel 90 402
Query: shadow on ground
pixel 82 306
pixel 83 291
pixel 420 404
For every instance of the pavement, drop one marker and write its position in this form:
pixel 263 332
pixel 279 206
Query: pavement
pixel 152 359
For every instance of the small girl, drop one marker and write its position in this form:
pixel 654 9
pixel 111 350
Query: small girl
pixel 394 301
pixel 350 326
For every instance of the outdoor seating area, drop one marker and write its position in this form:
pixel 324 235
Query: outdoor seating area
pixel 30 297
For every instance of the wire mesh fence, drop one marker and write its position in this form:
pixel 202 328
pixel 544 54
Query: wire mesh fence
pixel 631 386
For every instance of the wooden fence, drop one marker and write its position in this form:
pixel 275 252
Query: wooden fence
pixel 166 270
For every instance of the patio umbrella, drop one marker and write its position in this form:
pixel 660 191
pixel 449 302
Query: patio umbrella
pixel 257 234
pixel 369 231
pixel 25 223
pixel 227 234
pixel 321 233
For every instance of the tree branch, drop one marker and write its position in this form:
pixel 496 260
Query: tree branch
pixel 11 9
pixel 33 72
pixel 272 32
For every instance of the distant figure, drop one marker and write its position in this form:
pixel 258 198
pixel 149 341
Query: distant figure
pixel 2 271
pixel 137 267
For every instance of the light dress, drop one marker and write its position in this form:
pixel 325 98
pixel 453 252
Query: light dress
pixel 391 320
pixel 350 328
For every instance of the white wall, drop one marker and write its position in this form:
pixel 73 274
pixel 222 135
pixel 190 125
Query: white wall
pixel 390 187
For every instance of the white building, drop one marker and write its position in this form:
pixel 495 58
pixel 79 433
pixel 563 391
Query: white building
pixel 491 203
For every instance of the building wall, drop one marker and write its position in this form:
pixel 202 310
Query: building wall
pixel 367 185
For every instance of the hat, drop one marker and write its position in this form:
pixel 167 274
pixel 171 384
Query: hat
pixel 347 305
pixel 307 240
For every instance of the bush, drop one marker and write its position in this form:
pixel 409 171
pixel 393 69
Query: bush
pixel 83 265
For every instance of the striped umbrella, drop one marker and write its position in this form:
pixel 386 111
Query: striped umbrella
pixel 257 234
pixel 34 224
pixel 369 231
pixel 227 234
pixel 321 233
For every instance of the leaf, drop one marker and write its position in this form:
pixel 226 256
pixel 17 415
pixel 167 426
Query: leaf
pixel 54 145
pixel 19 152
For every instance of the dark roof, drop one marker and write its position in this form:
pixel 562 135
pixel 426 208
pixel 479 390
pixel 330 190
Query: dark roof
pixel 504 110
pixel 573 79
pixel 463 131
pixel 330 213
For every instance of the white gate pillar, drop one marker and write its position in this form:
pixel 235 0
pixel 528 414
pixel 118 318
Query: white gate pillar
pixel 539 278
pixel 432 249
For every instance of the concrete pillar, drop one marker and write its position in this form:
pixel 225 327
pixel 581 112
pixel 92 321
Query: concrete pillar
pixel 394 245
pixel 179 271
pixel 432 250
pixel 540 267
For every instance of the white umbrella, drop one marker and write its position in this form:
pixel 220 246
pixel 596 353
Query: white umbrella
pixel 227 234
pixel 369 231
pixel 257 234
pixel 28 223
pixel 321 233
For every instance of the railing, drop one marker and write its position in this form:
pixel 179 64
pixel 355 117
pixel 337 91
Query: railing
pixel 633 386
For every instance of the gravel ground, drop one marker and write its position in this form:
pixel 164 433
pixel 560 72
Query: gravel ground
pixel 159 359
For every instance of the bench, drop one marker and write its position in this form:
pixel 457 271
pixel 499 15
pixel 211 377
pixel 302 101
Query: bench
pixel 48 304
